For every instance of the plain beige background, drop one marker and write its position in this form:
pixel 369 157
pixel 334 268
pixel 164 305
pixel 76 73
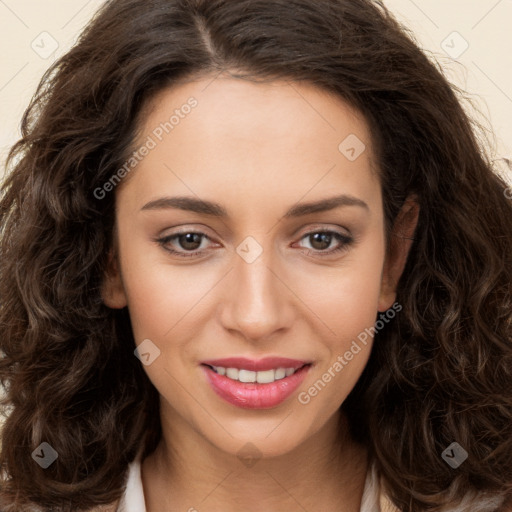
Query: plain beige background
pixel 472 39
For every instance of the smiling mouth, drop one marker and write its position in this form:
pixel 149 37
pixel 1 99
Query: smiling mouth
pixel 268 384
pixel 259 377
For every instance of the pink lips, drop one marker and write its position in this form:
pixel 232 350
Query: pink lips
pixel 254 395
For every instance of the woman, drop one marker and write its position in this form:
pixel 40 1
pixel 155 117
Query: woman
pixel 253 258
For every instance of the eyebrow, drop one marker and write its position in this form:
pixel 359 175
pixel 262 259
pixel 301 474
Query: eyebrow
pixel 201 206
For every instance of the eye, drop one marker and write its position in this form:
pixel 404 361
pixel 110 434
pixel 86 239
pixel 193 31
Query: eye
pixel 187 243
pixel 327 242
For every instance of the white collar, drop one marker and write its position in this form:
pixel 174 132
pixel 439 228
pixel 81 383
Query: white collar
pixel 133 497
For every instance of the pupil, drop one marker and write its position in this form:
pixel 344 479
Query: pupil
pixel 320 240
pixel 190 241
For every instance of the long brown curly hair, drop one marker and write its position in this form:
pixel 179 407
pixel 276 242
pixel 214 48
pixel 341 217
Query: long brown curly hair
pixel 440 372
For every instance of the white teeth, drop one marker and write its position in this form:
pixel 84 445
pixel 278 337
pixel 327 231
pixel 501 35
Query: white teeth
pixel 265 377
pixel 232 373
pixel 246 376
pixel 262 377
pixel 280 373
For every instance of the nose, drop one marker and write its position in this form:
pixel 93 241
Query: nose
pixel 258 303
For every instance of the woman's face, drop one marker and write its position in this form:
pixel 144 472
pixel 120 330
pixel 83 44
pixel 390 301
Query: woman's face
pixel 251 229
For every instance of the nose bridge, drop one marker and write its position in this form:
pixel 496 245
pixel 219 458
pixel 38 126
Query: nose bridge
pixel 258 303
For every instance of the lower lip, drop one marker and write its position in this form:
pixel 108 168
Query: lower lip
pixel 251 395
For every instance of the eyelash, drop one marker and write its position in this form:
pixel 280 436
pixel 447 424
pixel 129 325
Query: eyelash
pixel 345 242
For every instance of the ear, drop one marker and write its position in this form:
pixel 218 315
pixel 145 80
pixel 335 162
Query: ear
pixel 398 249
pixel 112 288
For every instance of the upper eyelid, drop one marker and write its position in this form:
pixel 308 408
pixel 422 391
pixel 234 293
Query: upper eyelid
pixel 314 229
pixel 319 227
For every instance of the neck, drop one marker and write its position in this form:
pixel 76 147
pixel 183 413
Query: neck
pixel 326 472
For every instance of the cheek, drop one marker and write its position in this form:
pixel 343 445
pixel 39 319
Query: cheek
pixel 345 298
pixel 348 313
pixel 162 298
pixel 165 304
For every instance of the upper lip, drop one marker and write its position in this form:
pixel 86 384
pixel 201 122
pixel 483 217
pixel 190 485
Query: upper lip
pixel 256 365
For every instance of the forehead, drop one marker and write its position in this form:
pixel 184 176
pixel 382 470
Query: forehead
pixel 272 106
pixel 261 137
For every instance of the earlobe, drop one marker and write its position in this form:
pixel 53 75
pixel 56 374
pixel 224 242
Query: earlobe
pixel 402 237
pixel 112 288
